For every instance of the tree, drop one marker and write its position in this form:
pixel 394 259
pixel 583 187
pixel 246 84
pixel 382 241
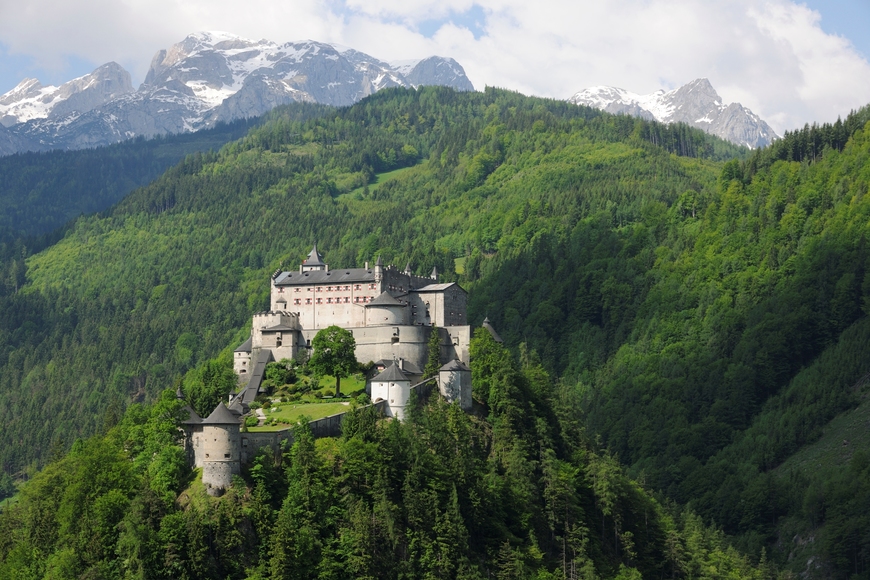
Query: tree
pixel 332 353
pixel 433 364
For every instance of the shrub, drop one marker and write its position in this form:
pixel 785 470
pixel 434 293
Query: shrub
pixel 252 421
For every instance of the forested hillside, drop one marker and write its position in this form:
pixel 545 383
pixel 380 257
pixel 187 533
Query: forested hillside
pixel 131 299
pixel 442 494
pixel 710 315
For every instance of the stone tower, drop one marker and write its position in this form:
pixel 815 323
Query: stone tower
pixel 221 449
pixel 392 386
pixel 454 383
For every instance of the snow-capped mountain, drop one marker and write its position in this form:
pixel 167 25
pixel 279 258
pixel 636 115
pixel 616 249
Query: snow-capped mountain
pixel 205 78
pixel 696 104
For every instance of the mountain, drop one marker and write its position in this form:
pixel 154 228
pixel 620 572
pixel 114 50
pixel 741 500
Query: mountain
pixel 696 103
pixel 206 78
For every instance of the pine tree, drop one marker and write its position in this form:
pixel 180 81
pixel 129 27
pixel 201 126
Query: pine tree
pixel 434 360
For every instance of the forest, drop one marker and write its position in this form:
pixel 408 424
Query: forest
pixel 701 308
pixel 519 494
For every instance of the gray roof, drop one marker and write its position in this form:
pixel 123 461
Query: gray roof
pixel 391 374
pixel 385 299
pixel 278 328
pixel 193 417
pixel 314 258
pixel 409 367
pixel 455 365
pixel 221 416
pixel 245 346
pixel 491 330
pixel 340 276
pixel 437 287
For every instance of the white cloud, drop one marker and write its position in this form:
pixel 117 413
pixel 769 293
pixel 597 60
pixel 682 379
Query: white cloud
pixel 771 55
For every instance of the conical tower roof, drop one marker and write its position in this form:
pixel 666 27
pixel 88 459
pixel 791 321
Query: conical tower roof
pixel 455 365
pixel 385 299
pixel 391 374
pixel 221 416
pixel 491 330
pixel 314 258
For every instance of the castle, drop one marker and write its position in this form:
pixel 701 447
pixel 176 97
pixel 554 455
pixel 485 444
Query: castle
pixel 391 314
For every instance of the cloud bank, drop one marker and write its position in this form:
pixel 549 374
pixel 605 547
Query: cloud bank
pixel 772 55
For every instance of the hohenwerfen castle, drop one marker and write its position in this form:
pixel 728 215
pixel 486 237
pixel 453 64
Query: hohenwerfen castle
pixel 391 313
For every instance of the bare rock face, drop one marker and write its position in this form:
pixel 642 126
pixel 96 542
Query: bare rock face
pixel 696 103
pixel 205 78
pixel 437 70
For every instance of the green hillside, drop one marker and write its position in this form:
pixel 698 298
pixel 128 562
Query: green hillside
pixel 443 494
pixel 709 314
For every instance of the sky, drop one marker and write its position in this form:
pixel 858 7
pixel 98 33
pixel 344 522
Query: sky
pixel 790 61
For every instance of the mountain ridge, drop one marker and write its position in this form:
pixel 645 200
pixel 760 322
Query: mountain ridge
pixel 206 78
pixel 696 103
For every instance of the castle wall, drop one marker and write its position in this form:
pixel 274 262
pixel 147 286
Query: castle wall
pixel 322 305
pixel 220 456
pixel 460 339
pixel 283 342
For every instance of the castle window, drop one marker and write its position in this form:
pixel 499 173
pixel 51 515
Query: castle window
pixel 206 455
pixel 297 301
pixel 226 455
pixel 320 300
pixel 371 286
pixel 329 288
pixel 347 300
pixel 298 290
pixel 308 301
pixel 329 300
pixel 357 287
pixel 347 288
pixel 319 289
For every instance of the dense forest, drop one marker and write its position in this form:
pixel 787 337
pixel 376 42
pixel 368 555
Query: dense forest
pixel 519 494
pixel 704 307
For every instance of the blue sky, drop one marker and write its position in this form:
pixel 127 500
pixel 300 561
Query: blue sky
pixel 789 64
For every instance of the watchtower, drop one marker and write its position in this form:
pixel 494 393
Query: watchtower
pixel 221 449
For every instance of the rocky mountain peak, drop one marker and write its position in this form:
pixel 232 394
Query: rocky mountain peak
pixel 696 103
pixel 205 78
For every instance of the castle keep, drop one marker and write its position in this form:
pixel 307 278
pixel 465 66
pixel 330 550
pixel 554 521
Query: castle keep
pixel 391 314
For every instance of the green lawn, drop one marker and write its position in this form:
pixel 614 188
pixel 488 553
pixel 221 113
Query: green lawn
pixel 845 434
pixel 290 413
pixel 381 178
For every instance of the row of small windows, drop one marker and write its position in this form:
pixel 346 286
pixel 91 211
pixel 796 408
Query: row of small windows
pixel 345 288
pixel 338 300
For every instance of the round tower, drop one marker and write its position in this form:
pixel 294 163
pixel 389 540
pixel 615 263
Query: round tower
pixel 392 386
pixel 221 449
pixel 385 311
pixel 454 383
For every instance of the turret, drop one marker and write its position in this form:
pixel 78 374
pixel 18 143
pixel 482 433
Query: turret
pixel 379 270
pixel 454 383
pixel 314 261
pixel 221 449
pixel 394 387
